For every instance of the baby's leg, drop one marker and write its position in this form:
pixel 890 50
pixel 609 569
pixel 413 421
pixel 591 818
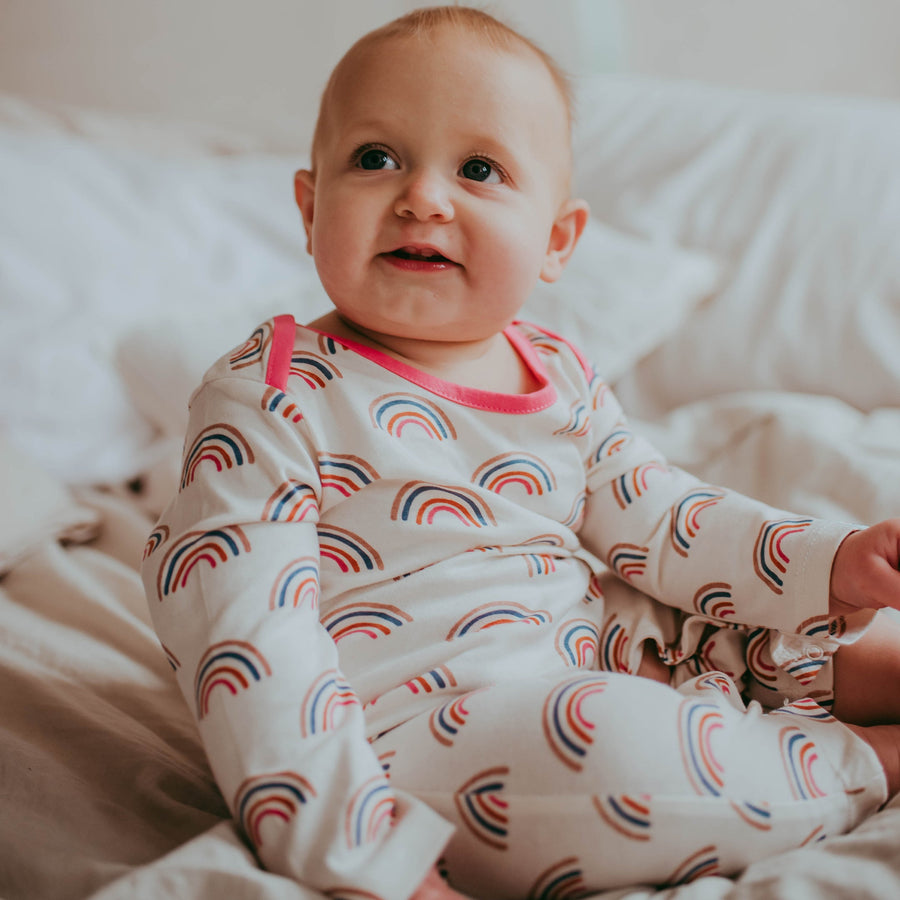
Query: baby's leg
pixel 591 781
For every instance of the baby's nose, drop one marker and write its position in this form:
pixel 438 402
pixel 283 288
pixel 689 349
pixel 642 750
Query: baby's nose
pixel 425 196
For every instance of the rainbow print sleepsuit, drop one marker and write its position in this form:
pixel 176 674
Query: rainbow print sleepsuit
pixel 404 613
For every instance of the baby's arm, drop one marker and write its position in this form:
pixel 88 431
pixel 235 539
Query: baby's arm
pixel 866 569
pixel 232 580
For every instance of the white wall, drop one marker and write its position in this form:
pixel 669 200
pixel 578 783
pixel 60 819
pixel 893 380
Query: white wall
pixel 260 64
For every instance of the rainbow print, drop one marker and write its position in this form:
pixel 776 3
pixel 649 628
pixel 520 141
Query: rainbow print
pixel 370 813
pixel 396 412
pixel 823 627
pixel 171 658
pixel 438 679
pixel 313 370
pixel 685 517
pixel 371 620
pixel 578 643
pixel 158 536
pixel 482 808
pixel 574 518
pixel 274 400
pixel 717 681
pixel 631 485
pixel 599 390
pixel 758 658
pixel 612 444
pixel 347 550
pixel 704 862
pixel 523 471
pixel 698 724
pixel 207 547
pixel 278 795
pixel 713 600
pixel 798 752
pixel 805 668
pixel 614 647
pixel 579 423
pixel 345 473
pixel 757 815
pixel 251 351
pixel 447 720
pixel 325 704
pixel 769 557
pixel 594 591
pixel 420 502
pixel 291 501
pixel 540 564
pixel 234 665
pixel 221 445
pixel 806 708
pixel 499 613
pixel 329 345
pixel 384 760
pixel 628 560
pixel 566 728
pixel 562 881
pixel 297 584
pixel 543 343
pixel 629 814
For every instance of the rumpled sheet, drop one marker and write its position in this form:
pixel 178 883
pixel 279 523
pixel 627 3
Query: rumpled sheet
pixel 104 785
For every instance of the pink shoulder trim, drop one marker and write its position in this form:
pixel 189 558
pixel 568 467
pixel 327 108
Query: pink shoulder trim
pixel 279 365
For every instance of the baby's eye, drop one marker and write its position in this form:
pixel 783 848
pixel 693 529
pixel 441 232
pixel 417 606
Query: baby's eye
pixel 374 159
pixel 480 170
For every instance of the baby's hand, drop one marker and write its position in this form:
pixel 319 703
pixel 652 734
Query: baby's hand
pixel 866 570
pixel 435 888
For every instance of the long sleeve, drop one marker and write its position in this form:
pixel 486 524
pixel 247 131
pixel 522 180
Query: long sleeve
pixel 232 578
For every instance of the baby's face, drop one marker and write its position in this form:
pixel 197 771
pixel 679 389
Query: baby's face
pixel 440 171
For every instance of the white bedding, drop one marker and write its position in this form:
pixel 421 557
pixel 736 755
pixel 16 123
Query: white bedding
pixel 740 284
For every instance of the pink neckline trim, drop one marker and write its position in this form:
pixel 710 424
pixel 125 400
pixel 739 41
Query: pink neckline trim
pixel 490 401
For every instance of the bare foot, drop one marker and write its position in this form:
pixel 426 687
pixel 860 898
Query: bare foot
pixel 885 741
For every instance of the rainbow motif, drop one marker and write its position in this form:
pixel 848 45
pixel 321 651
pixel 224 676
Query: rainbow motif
pixel 522 471
pixel 576 514
pixel 345 473
pixel 313 370
pixel 758 658
pixel 685 517
pixel 329 345
pixel 702 863
pixel 717 681
pixel 631 485
pixel 594 591
pixel 251 351
pixel 482 808
pixel 396 412
pixel 447 720
pixel 384 760
pixel 614 647
pixel 823 627
pixel 370 813
pixel 221 445
pixel 372 620
pixel 540 564
pixel 297 584
pixel 629 814
pixel 566 728
pixel 806 708
pixel 599 390
pixel 158 536
pixel 234 665
pixel 628 561
pixel 489 615
pixel 698 724
pixel 562 881
pixel 276 401
pixel 805 668
pixel 438 679
pixel 579 423
pixel 757 815
pixel 578 643
pixel 799 754
pixel 420 502
pixel 816 835
pixel 769 557
pixel 326 703
pixel 207 547
pixel 347 550
pixel 292 501
pixel 171 658
pixel 713 600
pixel 613 443
pixel 278 795
pixel 543 343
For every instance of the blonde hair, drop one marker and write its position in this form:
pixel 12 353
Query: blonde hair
pixel 427 21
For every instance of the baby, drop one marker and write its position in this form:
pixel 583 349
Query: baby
pixel 406 582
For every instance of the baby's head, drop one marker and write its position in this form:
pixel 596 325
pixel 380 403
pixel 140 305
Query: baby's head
pixel 439 188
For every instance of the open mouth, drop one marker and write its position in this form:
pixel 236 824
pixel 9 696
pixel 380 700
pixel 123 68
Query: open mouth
pixel 420 255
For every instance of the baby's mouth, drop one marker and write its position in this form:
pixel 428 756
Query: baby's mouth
pixel 420 254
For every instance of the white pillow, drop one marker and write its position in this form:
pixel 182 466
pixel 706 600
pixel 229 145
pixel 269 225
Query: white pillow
pixel 798 195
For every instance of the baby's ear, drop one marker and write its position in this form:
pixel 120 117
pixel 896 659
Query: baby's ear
pixel 567 228
pixel 305 194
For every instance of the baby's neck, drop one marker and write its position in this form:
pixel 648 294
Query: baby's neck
pixel 491 364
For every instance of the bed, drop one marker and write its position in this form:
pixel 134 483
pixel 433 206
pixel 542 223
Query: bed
pixel 739 283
